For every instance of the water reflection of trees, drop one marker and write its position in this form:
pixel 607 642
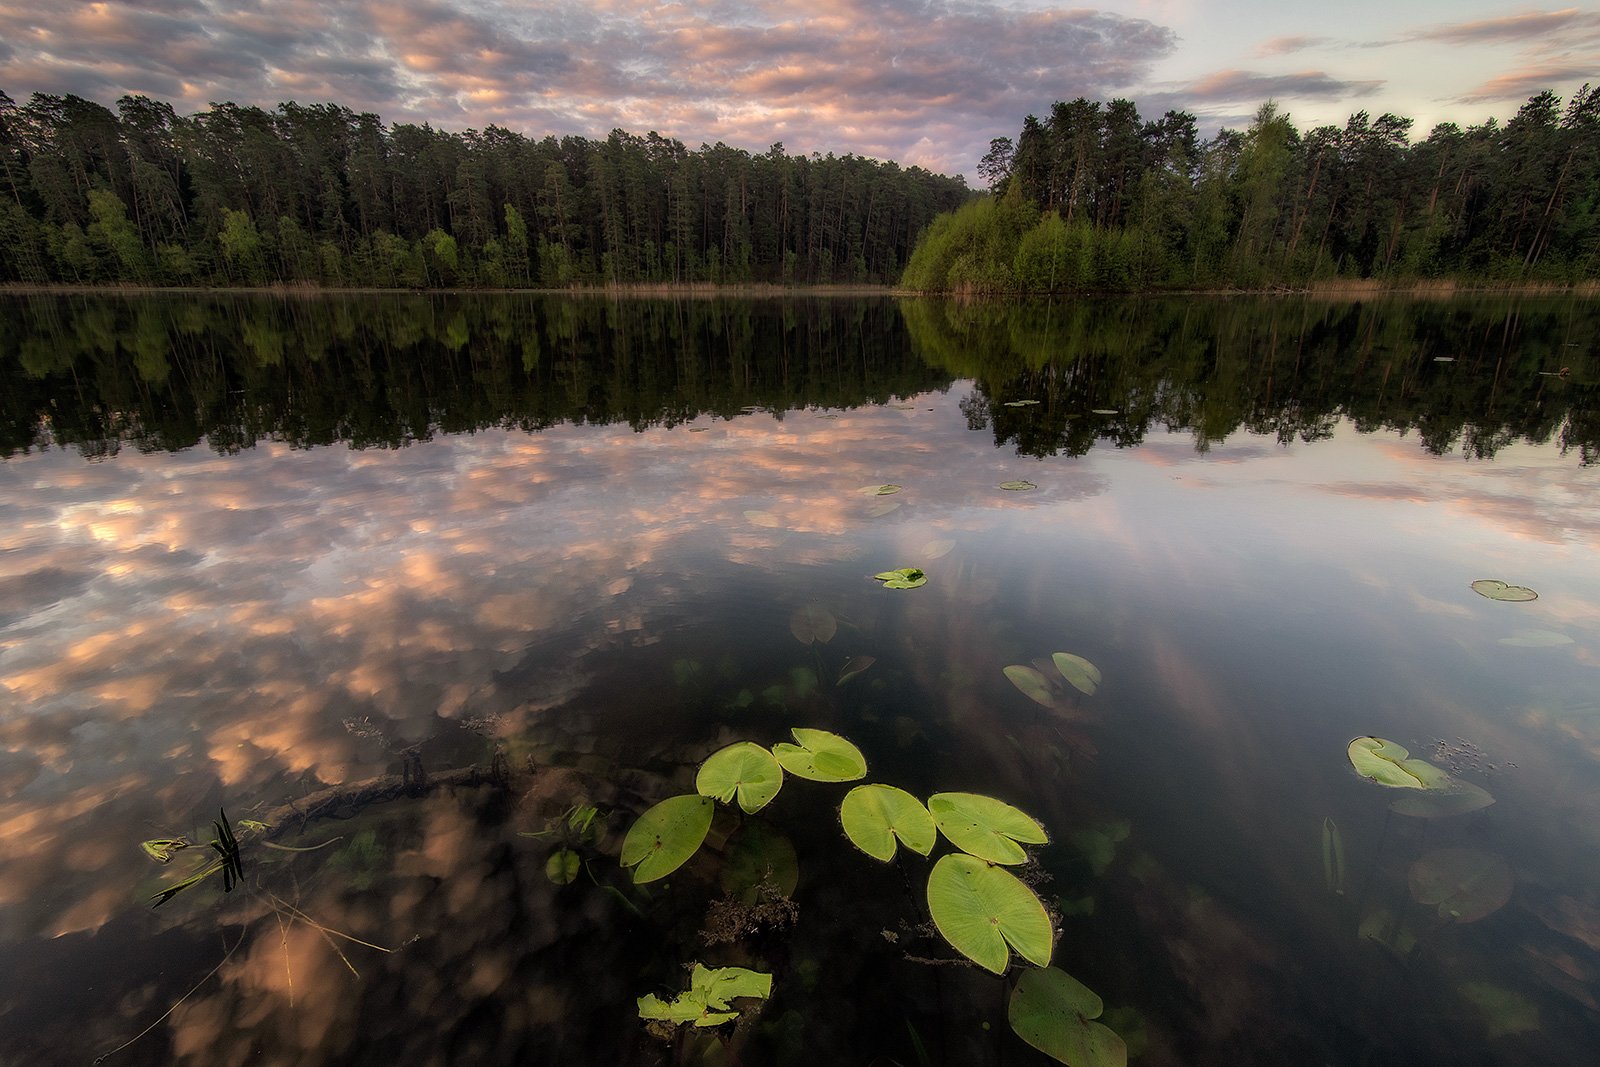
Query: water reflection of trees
pixel 165 373
pixel 1287 368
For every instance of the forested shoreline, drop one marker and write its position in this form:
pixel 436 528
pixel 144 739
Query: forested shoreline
pixel 319 195
pixel 1096 199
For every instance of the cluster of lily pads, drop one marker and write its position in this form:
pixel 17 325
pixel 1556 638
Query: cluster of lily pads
pixel 980 907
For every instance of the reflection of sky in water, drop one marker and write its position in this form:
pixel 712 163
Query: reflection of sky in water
pixel 178 631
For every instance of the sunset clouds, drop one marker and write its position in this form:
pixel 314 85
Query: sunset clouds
pixel 921 81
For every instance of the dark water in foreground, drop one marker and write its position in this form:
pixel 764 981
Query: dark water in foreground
pixel 251 551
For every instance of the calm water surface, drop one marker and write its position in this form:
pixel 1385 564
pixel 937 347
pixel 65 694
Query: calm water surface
pixel 411 579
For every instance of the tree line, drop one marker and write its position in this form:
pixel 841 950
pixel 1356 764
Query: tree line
pixel 319 194
pixel 1095 198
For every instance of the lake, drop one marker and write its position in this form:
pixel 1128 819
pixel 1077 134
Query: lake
pixel 415 605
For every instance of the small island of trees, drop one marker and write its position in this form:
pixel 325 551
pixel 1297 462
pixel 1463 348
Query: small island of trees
pixel 1095 199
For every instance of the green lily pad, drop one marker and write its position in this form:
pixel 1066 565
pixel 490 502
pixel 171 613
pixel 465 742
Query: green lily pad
pixel 1079 672
pixel 1055 1013
pixel 881 490
pixel 982 909
pixel 744 771
pixel 1018 486
pixel 1391 765
pixel 821 757
pixel 810 623
pixel 984 827
pixel 874 815
pixel 1033 684
pixel 707 1001
pixel 666 836
pixel 1455 797
pixel 1536 639
pixel 162 849
pixel 855 666
pixel 904 578
pixel 1104 411
pixel 1463 884
pixel 562 866
pixel 1495 589
pixel 760 856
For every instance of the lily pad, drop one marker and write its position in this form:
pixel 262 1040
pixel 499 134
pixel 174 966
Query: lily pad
pixel 1495 589
pixel 707 1001
pixel 666 836
pixel 810 623
pixel 562 866
pixel 760 856
pixel 938 549
pixel 874 815
pixel 744 771
pixel 984 827
pixel 821 757
pixel 888 489
pixel 855 666
pixel 985 911
pixel 1104 411
pixel 1020 403
pixel 1079 672
pixel 1018 486
pixel 763 518
pixel 1536 639
pixel 1391 765
pixel 1463 884
pixel 1054 1012
pixel 1033 684
pixel 1455 797
pixel 904 578
pixel 882 508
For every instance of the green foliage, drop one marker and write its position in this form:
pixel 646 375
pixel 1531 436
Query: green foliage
pixel 821 757
pixel 875 815
pixel 1390 764
pixel 903 578
pixel 984 827
pixel 1495 589
pixel 1055 1013
pixel 743 771
pixel 708 999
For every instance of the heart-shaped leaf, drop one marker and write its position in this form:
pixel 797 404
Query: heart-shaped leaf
pixel 811 623
pixel 1464 884
pixel 1391 764
pixel 874 815
pixel 1079 672
pixel 984 827
pixel 1054 1012
pixel 1455 797
pixel 904 578
pixel 855 666
pixel 985 911
pixel 562 866
pixel 1033 684
pixel 888 489
pixel 744 771
pixel 821 757
pixel 666 836
pixel 1495 589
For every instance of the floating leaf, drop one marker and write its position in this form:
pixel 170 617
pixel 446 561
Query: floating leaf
pixel 938 549
pixel 706 1002
pixel 760 856
pixel 984 827
pixel 874 815
pixel 744 771
pixel 162 849
pixel 666 836
pixel 821 757
pixel 1020 403
pixel 855 666
pixel 1020 486
pixel 1079 672
pixel 1390 764
pixel 1104 411
pixel 1381 926
pixel 882 508
pixel 811 623
pixel 1333 856
pixel 1454 797
pixel 981 909
pixel 1034 685
pixel 1495 589
pixel 1536 639
pixel 1464 884
pixel 1505 1011
pixel 763 518
pixel 562 866
pixel 904 578
pixel 1054 1012
pixel 881 490
pixel 1444 359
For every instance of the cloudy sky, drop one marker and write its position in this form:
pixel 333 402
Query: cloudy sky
pixel 922 81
